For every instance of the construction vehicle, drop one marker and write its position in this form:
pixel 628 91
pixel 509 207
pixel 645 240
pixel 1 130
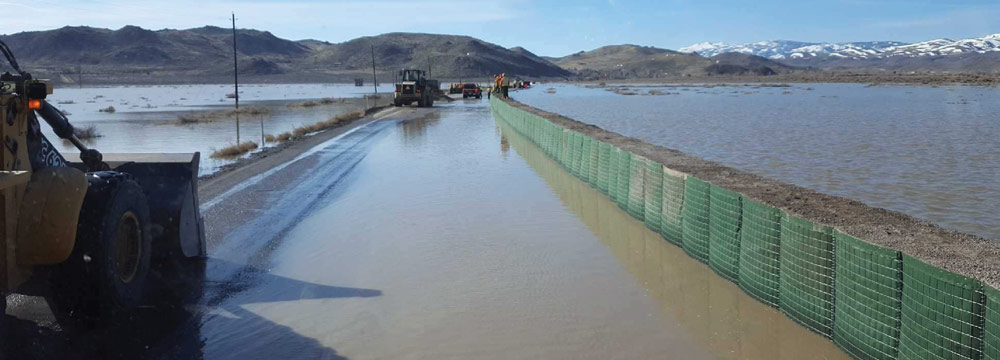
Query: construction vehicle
pixel 413 87
pixel 89 234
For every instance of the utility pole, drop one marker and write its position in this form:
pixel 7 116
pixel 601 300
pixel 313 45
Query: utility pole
pixel 79 75
pixel 429 67
pixel 236 82
pixel 374 76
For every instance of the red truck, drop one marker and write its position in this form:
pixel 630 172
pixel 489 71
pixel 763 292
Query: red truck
pixel 471 90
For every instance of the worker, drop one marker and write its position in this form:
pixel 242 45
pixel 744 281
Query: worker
pixel 504 83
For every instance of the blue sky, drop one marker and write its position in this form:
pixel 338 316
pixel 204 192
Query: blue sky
pixel 552 28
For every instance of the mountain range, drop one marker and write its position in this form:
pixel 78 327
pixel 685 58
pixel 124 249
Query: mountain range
pixel 795 50
pixel 204 55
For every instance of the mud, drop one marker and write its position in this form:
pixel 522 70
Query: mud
pixel 958 252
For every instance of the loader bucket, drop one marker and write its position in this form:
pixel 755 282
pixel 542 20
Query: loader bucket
pixel 170 183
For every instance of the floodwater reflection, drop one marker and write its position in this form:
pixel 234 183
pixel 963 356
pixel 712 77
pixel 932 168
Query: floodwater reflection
pixel 729 323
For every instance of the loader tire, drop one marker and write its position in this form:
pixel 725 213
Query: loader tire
pixel 106 273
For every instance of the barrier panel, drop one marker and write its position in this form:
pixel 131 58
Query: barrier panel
pixel 614 164
pixel 595 150
pixel 576 147
pixel 869 290
pixel 653 185
pixel 725 214
pixel 565 153
pixel 624 164
pixel 603 167
pixel 585 158
pixel 760 252
pixel 696 212
pixel 991 336
pixel 673 202
pixel 807 271
pixel 942 315
pixel 636 188
pixel 873 302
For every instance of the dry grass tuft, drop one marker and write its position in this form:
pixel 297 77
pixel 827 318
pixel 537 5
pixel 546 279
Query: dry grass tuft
pixel 234 150
pixel 333 122
pixel 89 132
pixel 109 109
pixel 312 103
pixel 269 138
pixel 210 116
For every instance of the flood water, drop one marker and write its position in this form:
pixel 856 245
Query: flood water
pixel 930 152
pixel 146 119
pixel 447 236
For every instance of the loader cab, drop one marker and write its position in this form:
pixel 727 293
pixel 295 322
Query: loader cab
pixel 411 75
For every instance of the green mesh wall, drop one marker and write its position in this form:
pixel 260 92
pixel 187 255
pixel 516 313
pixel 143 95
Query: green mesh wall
pixel 624 162
pixel 991 336
pixel 697 196
pixel 807 271
pixel 760 251
pixel 595 154
pixel 869 289
pixel 653 185
pixel 725 211
pixel 673 202
pixel 585 158
pixel 636 188
pixel 614 165
pixel 603 167
pixel 942 314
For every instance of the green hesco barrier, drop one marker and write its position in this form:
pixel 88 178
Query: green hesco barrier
pixel 760 252
pixel 807 271
pixel 873 302
pixel 595 153
pixel 991 337
pixel 725 212
pixel 869 289
pixel 673 202
pixel 585 158
pixel 653 185
pixel 624 162
pixel 636 188
pixel 614 162
pixel 603 167
pixel 942 314
pixel 697 196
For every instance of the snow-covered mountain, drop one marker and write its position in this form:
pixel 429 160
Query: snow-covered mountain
pixel 790 50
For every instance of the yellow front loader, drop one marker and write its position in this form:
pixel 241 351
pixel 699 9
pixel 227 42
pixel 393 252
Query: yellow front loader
pixel 86 232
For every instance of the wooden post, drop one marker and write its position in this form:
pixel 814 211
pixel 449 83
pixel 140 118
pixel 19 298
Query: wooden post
pixel 374 76
pixel 236 82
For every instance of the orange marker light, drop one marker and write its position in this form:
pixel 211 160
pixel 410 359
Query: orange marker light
pixel 34 104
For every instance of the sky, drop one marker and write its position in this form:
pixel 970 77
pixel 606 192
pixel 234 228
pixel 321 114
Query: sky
pixel 551 28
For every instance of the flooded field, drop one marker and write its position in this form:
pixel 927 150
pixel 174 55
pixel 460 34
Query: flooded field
pixel 446 236
pixel 147 118
pixel 930 152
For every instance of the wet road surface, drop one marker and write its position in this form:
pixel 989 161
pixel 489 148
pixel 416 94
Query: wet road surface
pixel 437 233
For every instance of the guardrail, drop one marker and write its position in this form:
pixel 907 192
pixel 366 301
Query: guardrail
pixel 872 302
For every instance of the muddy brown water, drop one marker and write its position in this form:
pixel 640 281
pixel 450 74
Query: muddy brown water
pixel 448 237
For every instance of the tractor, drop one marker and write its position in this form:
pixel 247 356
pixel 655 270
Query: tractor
pixel 412 86
pixel 88 232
